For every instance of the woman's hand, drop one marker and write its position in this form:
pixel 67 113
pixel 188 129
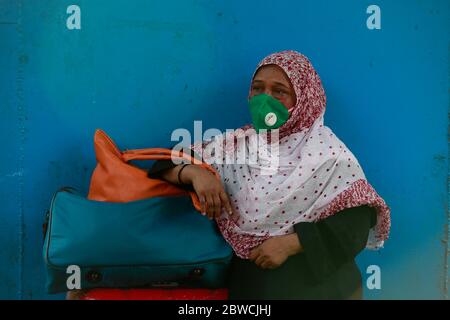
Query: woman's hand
pixel 273 252
pixel 209 189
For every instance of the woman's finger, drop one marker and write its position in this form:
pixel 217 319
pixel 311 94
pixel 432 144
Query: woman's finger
pixel 201 197
pixel 210 206
pixel 217 205
pixel 260 260
pixel 226 202
pixel 253 254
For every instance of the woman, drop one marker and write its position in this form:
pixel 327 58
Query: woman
pixel 295 232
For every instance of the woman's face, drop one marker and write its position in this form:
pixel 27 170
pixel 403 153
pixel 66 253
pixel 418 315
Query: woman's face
pixel 272 80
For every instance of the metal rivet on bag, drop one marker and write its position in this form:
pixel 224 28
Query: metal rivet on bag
pixel 197 272
pixel 94 276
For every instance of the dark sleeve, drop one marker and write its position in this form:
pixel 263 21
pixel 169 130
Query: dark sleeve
pixel 159 166
pixel 336 240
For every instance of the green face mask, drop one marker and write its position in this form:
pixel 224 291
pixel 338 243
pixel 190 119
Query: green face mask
pixel 267 112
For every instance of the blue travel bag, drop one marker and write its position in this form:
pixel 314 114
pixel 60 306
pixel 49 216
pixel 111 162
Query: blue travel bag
pixel 157 242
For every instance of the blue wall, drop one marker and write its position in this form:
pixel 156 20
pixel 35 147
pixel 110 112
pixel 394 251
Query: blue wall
pixel 139 69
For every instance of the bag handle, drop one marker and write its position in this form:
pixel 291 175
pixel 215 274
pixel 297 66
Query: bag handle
pixel 164 154
pixel 103 145
pixel 154 154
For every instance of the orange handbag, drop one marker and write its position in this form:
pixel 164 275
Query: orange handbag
pixel 116 180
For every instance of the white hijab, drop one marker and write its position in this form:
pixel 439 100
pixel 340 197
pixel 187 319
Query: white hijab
pixel 316 176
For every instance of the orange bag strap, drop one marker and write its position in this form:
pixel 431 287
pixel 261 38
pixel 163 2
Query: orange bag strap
pixel 163 154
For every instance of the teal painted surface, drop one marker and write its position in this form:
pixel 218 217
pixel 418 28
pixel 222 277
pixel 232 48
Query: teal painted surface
pixel 139 69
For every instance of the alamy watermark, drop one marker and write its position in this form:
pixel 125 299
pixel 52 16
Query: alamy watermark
pixel 73 281
pixel 373 281
pixel 73 21
pixel 231 147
